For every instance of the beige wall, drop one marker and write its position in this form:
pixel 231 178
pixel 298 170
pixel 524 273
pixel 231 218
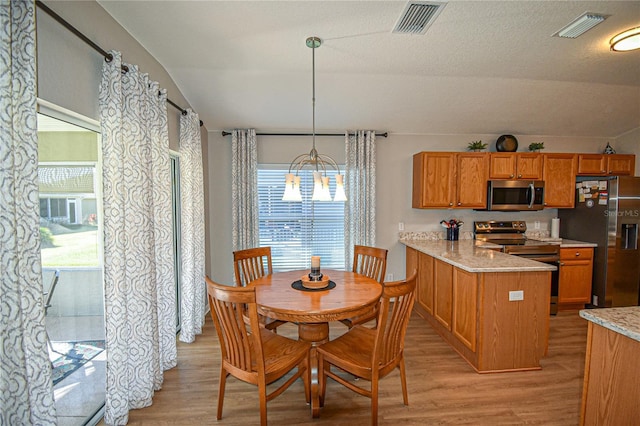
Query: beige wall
pixel 629 143
pixel 394 173
pixel 69 71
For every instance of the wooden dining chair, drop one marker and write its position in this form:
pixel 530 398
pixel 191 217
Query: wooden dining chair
pixel 253 354
pixel 371 354
pixel 370 262
pixel 251 264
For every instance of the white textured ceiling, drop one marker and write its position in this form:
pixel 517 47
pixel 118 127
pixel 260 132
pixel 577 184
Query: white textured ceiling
pixel 483 67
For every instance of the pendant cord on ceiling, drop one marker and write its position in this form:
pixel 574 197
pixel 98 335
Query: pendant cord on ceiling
pixel 225 133
pixel 107 56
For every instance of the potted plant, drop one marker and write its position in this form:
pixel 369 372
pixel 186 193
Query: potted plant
pixel 536 146
pixel 476 146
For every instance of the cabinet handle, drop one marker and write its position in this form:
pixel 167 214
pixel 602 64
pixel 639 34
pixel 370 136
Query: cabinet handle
pixel 511 176
pixel 561 263
pixel 450 204
pixel 459 203
pixel 577 253
pixel 519 176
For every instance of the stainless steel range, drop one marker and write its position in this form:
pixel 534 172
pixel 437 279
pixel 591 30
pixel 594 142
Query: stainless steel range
pixel 510 234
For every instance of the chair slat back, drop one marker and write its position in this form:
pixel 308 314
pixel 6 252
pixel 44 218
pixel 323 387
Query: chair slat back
pixel 370 261
pixel 238 344
pixel 396 304
pixel 251 264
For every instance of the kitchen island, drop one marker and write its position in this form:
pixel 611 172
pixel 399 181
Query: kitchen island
pixel 492 308
pixel 612 367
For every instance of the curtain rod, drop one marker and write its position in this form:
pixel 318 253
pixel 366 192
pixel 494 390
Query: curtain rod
pixel 107 56
pixel 225 133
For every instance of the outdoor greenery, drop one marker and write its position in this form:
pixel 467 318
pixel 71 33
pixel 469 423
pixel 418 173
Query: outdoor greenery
pixel 46 237
pixel 71 247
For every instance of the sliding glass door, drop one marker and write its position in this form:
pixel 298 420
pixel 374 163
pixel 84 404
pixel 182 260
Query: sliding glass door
pixel 71 230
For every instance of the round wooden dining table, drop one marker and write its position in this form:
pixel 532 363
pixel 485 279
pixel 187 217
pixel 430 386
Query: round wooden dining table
pixel 353 295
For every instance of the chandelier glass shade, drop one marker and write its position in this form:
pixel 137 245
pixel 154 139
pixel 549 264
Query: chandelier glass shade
pixel 316 161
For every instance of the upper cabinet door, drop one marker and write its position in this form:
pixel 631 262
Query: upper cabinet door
pixel 621 164
pixel 592 164
pixel 471 184
pixel 560 177
pixel 503 165
pixel 433 179
pixel 507 165
pixel 529 166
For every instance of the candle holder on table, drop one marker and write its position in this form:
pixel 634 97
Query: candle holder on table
pixel 315 279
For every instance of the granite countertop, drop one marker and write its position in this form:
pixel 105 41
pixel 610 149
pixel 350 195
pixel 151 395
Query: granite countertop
pixel 473 256
pixel 565 243
pixel 625 321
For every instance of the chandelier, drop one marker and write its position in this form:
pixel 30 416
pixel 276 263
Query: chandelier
pixel 317 161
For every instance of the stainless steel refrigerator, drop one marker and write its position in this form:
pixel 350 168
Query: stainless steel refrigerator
pixel 607 213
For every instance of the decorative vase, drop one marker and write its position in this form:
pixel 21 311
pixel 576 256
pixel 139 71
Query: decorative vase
pixel 609 150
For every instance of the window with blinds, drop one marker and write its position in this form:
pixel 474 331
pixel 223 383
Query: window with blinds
pixel 298 230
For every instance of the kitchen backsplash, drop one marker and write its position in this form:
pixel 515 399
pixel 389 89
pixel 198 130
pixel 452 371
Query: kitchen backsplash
pixel 464 235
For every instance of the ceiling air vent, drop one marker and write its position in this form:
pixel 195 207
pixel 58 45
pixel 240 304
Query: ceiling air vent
pixel 581 25
pixel 418 16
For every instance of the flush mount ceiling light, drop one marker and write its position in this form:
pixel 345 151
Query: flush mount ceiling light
pixel 626 40
pixel 317 161
pixel 581 25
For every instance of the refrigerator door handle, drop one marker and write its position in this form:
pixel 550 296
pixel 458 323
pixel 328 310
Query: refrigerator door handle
pixel 629 236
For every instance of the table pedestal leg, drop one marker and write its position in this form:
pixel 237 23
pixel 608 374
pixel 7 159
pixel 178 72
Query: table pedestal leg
pixel 315 334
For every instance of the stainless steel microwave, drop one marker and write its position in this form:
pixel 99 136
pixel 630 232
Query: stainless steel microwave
pixel 515 195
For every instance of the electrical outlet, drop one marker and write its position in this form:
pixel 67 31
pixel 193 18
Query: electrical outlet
pixel 401 226
pixel 389 277
pixel 536 224
pixel 516 295
pixel 595 300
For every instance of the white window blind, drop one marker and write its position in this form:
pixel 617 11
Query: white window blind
pixel 298 230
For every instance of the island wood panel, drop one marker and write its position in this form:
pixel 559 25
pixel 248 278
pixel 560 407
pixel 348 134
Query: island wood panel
pixel 611 385
pixel 513 334
pixel 426 282
pixel 443 285
pixel 465 307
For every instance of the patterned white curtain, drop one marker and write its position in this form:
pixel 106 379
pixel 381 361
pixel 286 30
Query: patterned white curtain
pixel 26 395
pixel 360 187
pixel 193 289
pixel 138 249
pixel 244 190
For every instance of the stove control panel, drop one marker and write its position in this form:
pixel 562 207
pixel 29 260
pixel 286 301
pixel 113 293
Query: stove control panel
pixel 500 227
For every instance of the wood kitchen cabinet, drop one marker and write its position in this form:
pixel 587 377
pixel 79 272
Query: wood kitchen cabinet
pixel 465 307
pixel 473 312
pixel 450 180
pixel 443 292
pixel 606 164
pixel 574 277
pixel 559 174
pixel 509 165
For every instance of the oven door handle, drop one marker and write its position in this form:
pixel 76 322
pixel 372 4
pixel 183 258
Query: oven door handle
pixel 532 194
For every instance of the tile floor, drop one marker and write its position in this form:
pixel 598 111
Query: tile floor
pixel 81 394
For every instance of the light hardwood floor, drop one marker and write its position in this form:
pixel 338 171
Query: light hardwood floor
pixel 443 388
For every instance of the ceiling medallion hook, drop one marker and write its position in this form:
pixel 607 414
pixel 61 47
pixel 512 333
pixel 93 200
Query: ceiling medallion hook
pixel 318 161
